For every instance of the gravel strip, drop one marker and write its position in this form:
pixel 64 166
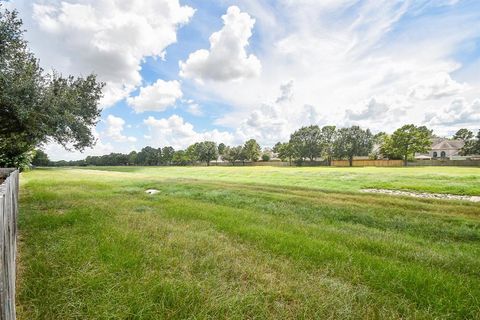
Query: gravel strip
pixel 424 195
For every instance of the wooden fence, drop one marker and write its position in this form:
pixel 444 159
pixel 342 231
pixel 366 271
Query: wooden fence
pixel 368 163
pixel 8 241
pixel 445 162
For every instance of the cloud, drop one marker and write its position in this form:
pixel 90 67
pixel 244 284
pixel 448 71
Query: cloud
pixel 115 129
pixel 109 38
pixel 157 97
pixel 318 59
pixel 266 124
pixel 459 112
pixel 194 109
pixel 227 58
pixel 439 86
pixel 340 53
pixel 286 92
pixel 372 110
pixel 57 152
pixel 174 131
pixel 275 121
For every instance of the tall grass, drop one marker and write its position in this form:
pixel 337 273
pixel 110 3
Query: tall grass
pixel 244 243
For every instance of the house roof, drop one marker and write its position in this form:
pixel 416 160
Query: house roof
pixel 447 144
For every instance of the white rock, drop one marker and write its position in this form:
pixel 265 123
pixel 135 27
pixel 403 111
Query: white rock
pixel 152 191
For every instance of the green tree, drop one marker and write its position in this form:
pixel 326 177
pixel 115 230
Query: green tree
pixel 132 158
pixel 306 143
pixel 351 142
pixel 463 134
pixel 36 107
pixel 40 159
pixel 149 156
pixel 233 154
pixel 472 146
pixel 408 140
pixel 388 151
pixel 221 148
pixel 205 151
pixel 378 141
pixel 285 151
pixel 181 158
pixel 192 152
pixel 276 147
pixel 167 155
pixel 265 157
pixel 476 149
pixel 252 150
pixel 327 142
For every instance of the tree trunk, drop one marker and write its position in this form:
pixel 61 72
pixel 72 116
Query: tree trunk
pixel 350 161
pixel 208 163
pixel 405 160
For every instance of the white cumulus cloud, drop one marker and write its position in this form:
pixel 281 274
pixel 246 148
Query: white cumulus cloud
pixel 157 97
pixel 114 129
pixel 459 112
pixel 109 38
pixel 374 109
pixel 439 86
pixel 174 131
pixel 195 109
pixel 227 58
pixel 57 152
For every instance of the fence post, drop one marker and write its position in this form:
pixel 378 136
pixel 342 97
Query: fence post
pixel 8 243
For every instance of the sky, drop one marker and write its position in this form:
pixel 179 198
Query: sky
pixel 178 72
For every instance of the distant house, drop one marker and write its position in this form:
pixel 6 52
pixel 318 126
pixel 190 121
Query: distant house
pixel 442 148
pixel 273 156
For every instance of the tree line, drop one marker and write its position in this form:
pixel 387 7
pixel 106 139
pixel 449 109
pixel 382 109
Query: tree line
pixel 307 144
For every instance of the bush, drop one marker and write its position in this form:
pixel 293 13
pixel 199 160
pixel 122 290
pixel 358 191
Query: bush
pixel 265 157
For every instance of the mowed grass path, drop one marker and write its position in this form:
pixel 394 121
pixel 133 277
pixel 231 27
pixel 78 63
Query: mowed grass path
pixel 248 243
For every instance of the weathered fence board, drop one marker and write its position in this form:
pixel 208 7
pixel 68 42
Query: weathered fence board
pixel 8 242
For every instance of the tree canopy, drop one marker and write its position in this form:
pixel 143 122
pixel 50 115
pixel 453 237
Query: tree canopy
pixel 408 140
pixel 221 148
pixel 463 134
pixel 284 151
pixel 351 142
pixel 206 151
pixel 233 154
pixel 306 143
pixel 252 150
pixel 327 142
pixel 40 159
pixel 472 145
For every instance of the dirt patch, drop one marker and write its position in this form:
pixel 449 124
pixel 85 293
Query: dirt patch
pixel 424 195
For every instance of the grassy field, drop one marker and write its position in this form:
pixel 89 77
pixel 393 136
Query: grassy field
pixel 248 243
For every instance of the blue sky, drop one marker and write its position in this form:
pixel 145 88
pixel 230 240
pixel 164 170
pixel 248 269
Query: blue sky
pixel 224 70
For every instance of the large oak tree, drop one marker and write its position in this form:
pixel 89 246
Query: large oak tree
pixel 351 142
pixel 408 140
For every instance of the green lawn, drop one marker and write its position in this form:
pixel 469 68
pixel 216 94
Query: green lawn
pixel 248 243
